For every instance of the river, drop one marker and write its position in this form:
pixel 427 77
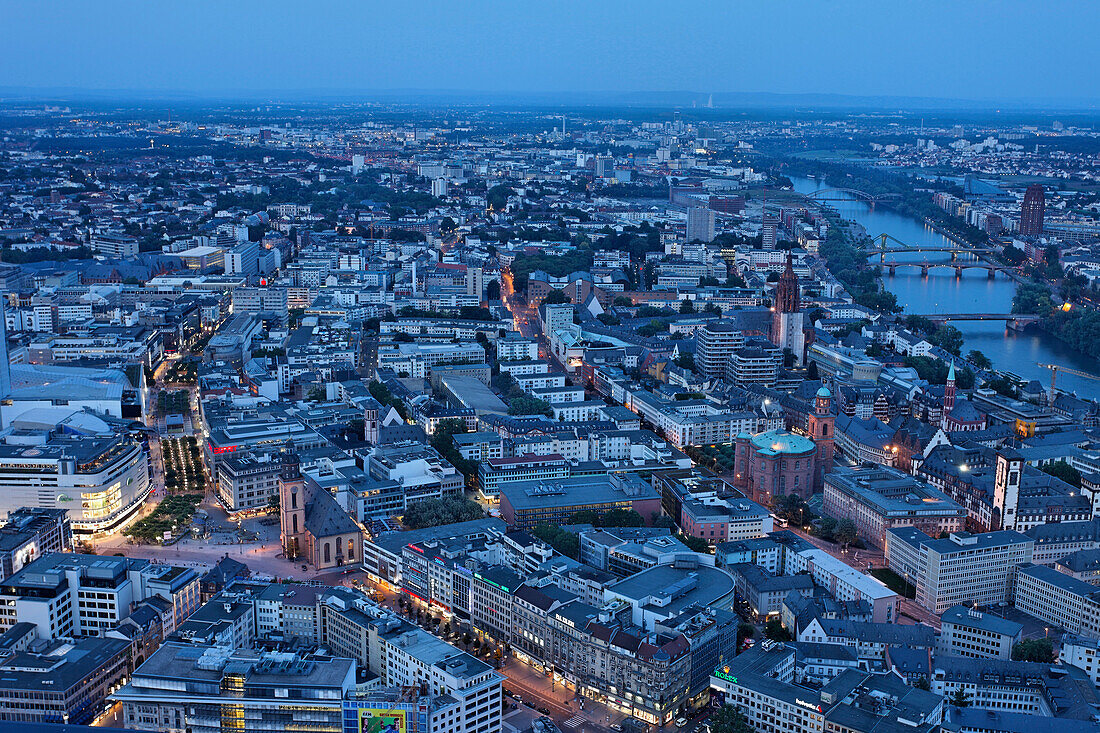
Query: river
pixel 942 292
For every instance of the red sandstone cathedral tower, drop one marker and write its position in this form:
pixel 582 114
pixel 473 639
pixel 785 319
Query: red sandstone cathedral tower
pixel 787 320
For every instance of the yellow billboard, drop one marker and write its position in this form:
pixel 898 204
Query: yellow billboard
pixel 373 720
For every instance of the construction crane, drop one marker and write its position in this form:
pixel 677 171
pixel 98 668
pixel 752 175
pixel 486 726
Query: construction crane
pixel 1055 368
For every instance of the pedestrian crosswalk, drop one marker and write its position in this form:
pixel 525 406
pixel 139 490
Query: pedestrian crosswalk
pixel 574 722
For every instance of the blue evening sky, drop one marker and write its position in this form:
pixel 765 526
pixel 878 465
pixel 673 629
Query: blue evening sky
pixel 967 49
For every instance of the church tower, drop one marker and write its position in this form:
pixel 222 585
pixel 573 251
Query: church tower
pixel 820 424
pixel 787 320
pixel 949 390
pixel 292 507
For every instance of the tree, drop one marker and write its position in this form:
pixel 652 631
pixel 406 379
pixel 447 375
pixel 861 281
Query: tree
pixel 773 629
pixel 565 543
pixel 845 531
pixel 497 197
pixel 586 516
pixel 529 406
pixel 728 719
pixel 556 296
pixel 826 528
pixel 979 359
pixel 492 290
pixel 948 338
pixel 695 544
pixel 357 427
pixel 920 324
pixel 686 306
pixel 1013 255
pixel 1064 471
pixel 961 699
pixel 663 521
pixel 935 371
pixel 1032 298
pixel 745 631
pixel 621 518
pixel 1034 650
pixel 686 360
pixel 923 684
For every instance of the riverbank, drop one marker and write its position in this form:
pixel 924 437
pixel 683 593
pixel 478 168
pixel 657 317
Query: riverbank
pixel 941 291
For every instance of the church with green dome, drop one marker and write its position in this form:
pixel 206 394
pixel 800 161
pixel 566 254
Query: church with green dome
pixel 780 462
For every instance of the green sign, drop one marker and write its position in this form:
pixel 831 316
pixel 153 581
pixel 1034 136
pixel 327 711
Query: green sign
pixel 722 674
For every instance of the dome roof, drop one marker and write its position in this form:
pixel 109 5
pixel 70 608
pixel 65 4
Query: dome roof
pixel 780 441
pixel 824 392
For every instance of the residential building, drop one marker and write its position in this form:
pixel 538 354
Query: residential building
pixel 716 343
pixel 1083 653
pixel 115 245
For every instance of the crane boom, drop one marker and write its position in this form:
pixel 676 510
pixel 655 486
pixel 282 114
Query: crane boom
pixel 1055 368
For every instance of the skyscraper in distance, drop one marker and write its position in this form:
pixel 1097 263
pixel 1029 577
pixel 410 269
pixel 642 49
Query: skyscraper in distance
pixel 700 224
pixel 1032 211
pixel 5 367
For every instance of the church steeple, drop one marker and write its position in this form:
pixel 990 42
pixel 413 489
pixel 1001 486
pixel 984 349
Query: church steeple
pixel 787 298
pixel 949 390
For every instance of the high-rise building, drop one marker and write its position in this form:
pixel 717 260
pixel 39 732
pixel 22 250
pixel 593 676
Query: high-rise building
pixel 605 166
pixel 113 244
pixel 5 365
pixel 700 224
pixel 715 344
pixel 787 321
pixel 769 232
pixel 1032 211
pixel 244 259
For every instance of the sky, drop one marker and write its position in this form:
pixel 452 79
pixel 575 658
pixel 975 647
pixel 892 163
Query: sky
pixel 962 49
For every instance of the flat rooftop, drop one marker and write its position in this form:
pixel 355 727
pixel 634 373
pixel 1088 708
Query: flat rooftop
pixel 576 490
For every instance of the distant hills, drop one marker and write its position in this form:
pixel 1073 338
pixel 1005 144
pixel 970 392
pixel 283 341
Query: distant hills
pixel 676 99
